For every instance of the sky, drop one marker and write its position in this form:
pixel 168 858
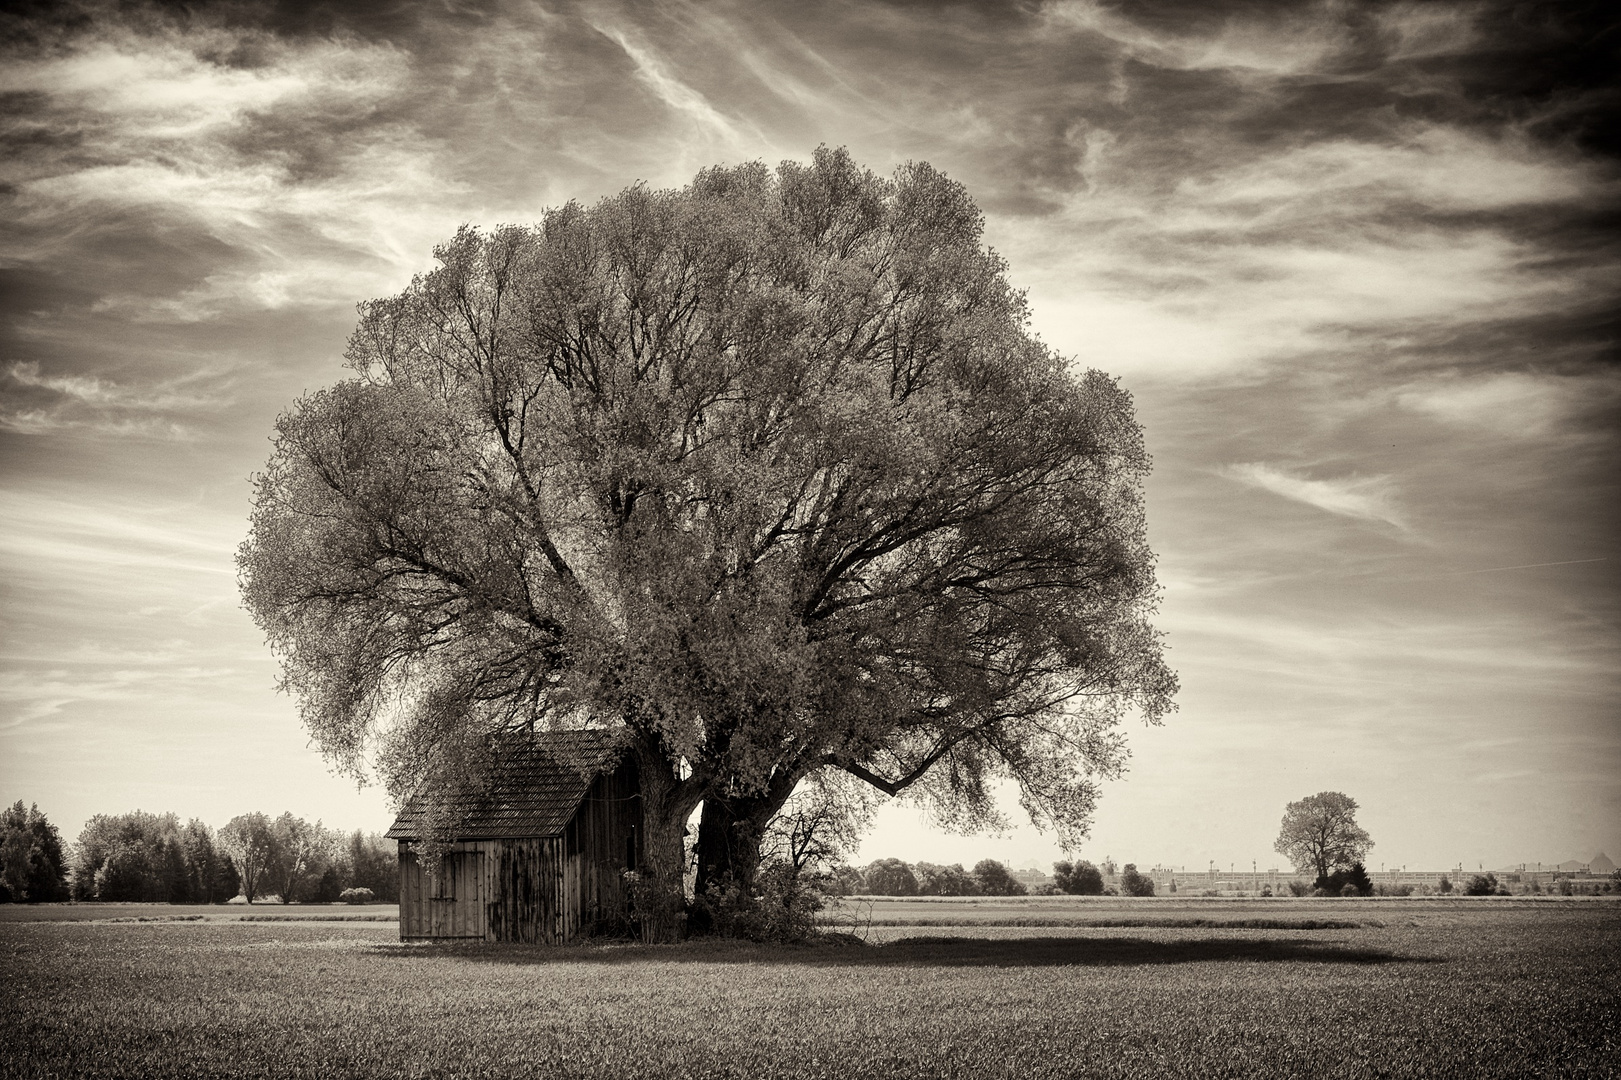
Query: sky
pixel 1357 263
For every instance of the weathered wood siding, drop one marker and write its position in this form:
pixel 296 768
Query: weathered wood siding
pixel 601 842
pixel 535 890
pixel 447 901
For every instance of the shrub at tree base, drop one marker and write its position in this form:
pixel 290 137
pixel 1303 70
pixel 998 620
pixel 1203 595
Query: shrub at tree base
pixel 357 896
pixel 780 907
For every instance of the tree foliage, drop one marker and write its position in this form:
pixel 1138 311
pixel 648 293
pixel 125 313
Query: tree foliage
pixel 1133 883
pixel 1079 878
pixel 766 474
pixel 141 856
pixel 994 879
pixel 32 867
pixel 821 824
pixel 250 841
pixel 1320 834
pixel 952 880
pixel 890 877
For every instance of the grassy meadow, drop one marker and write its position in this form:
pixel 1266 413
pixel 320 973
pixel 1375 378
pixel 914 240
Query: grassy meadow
pixel 1085 988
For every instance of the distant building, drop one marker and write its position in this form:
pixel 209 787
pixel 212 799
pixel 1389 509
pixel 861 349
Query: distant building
pixel 1031 878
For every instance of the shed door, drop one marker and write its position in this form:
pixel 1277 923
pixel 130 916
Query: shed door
pixel 455 899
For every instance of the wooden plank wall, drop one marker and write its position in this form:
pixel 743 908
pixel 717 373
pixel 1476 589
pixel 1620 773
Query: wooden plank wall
pixel 449 903
pixel 601 842
pixel 524 900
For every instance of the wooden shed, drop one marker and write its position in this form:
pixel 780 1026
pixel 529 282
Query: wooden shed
pixel 540 848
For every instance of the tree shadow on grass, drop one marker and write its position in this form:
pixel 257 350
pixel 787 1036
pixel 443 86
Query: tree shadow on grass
pixel 934 952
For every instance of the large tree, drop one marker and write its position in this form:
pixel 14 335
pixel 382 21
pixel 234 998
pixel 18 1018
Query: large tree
pixel 767 474
pixel 1320 834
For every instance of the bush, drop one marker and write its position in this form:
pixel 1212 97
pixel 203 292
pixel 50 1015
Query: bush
pixel 1393 890
pixel 780 907
pixel 1482 885
pixel 1078 878
pixel 1299 888
pixel 1266 890
pixel 1444 886
pixel 357 896
pixel 1351 881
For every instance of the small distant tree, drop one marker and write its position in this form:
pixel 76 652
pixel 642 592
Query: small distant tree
pixel 1078 878
pixel 995 880
pixel 251 843
pixel 211 879
pixel 950 880
pixel 32 869
pixel 890 877
pixel 373 863
pixel 304 851
pixel 1443 886
pixel 1320 835
pixel 1134 884
pixel 1481 885
pixel 842 880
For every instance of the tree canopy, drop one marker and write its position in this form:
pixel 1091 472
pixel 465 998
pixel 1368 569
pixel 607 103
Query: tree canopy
pixel 765 473
pixel 32 867
pixel 1320 834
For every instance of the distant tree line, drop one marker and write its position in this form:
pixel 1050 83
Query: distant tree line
pixel 895 877
pixel 147 857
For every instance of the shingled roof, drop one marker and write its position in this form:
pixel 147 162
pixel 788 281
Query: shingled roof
pixel 533 790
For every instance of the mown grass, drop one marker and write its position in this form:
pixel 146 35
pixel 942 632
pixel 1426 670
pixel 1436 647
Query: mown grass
pixel 1437 991
pixel 118 912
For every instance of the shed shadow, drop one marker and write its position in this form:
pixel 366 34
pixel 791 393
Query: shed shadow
pixel 1022 952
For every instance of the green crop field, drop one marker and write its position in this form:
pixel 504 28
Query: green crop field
pixel 1123 988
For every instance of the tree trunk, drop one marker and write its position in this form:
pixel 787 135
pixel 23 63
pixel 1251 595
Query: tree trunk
pixel 729 834
pixel 659 895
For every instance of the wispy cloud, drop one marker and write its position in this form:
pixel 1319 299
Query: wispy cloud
pixel 1366 498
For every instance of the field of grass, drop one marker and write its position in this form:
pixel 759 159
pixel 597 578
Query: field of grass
pixel 1406 989
pixel 97 912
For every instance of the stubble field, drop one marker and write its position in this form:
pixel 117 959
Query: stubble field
pixel 1105 988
